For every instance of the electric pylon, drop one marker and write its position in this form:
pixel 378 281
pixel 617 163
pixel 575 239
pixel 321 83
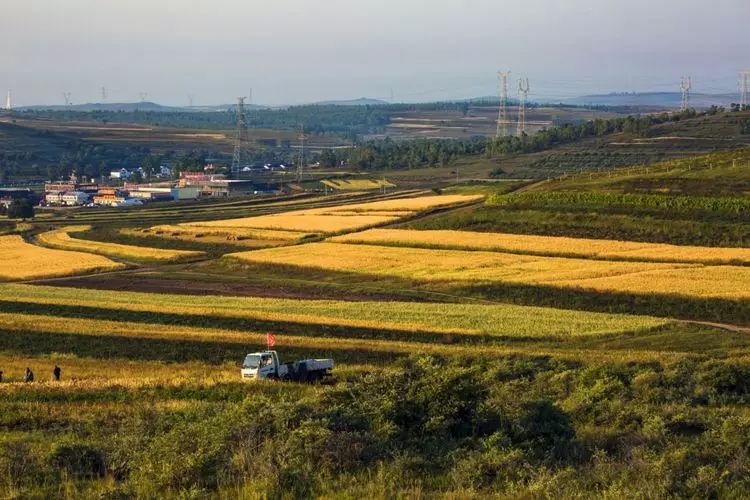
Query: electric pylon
pixel 502 113
pixel 301 164
pixel 239 135
pixel 744 88
pixel 685 86
pixel 523 93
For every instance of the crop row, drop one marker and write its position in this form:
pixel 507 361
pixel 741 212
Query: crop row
pixel 22 260
pixel 477 267
pixel 736 209
pixel 62 239
pixel 548 245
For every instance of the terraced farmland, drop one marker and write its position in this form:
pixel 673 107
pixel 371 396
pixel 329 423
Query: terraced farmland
pixel 487 267
pixel 62 239
pixel 549 245
pixel 348 217
pixel 22 260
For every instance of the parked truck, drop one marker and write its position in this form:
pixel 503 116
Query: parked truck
pixel 266 365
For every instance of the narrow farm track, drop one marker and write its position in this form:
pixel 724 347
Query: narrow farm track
pixel 723 326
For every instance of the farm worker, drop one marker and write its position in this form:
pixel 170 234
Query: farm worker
pixel 1 375
pixel 56 372
pixel 29 375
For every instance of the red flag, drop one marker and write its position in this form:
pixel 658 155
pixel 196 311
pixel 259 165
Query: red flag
pixel 270 340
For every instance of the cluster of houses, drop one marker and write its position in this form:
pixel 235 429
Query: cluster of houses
pixel 189 186
pixel 125 174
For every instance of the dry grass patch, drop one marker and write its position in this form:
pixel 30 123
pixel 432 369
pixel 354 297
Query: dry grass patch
pixel 22 260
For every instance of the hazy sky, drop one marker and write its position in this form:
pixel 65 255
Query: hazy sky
pixel 293 51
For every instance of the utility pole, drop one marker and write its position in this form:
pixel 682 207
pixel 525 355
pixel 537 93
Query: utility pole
pixel 523 93
pixel 104 94
pixel 685 86
pixel 502 113
pixel 191 98
pixel 240 132
pixel 66 97
pixel 250 97
pixel 301 164
pixel 744 88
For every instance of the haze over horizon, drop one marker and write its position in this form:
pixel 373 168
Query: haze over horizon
pixel 295 51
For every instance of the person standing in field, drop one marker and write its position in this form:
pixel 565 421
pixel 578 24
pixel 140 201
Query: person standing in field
pixel 29 377
pixel 1 376
pixel 56 373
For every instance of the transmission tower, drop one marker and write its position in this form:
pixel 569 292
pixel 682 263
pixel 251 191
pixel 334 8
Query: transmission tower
pixel 142 96
pixel 685 86
pixel 502 113
pixel 66 97
pixel 523 93
pixel 8 102
pixel 104 94
pixel 744 88
pixel 191 98
pixel 241 126
pixel 301 164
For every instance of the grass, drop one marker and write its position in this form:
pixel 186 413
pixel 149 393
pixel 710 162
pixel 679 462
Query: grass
pixel 548 246
pixel 22 260
pixel 493 267
pixel 62 239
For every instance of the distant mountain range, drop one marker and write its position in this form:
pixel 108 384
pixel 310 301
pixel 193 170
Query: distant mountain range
pixel 653 99
pixel 362 101
pixel 134 106
pixel 628 99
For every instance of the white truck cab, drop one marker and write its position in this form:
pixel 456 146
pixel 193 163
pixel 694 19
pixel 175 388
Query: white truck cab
pixel 266 365
pixel 260 365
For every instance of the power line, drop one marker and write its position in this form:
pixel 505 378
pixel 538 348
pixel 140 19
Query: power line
pixel 502 113
pixel 240 132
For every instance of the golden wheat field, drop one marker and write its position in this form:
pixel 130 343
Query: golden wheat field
pixel 549 245
pixel 340 218
pixel 487 267
pixel 22 260
pixel 198 229
pixel 356 184
pixel 61 239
